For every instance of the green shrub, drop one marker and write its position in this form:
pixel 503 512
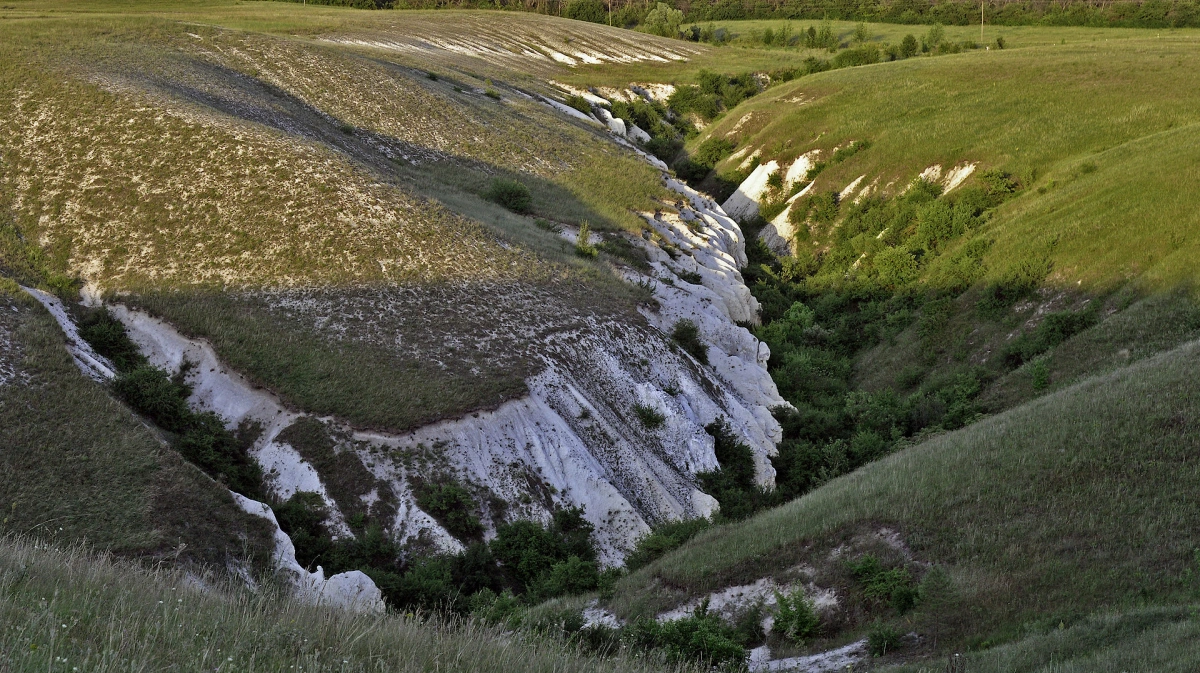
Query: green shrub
pixel 661 539
pixel 882 638
pixel 572 576
pixel 1054 329
pixel 303 518
pixel 511 194
pixel 687 335
pixel 107 336
pixel 492 93
pixel 909 46
pixel 702 637
pixel 529 552
pixel 451 505
pixel 579 103
pixel 582 247
pixel 663 20
pixel 151 392
pixel 795 617
pixel 586 10
pixel 862 55
pixel 893 585
pixel 690 277
pixel 650 417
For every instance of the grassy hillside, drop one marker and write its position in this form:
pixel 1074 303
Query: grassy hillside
pixel 77 465
pixel 1083 125
pixel 265 190
pixel 70 610
pixel 1076 502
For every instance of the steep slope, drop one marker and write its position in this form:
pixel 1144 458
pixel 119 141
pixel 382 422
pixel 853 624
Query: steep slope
pixel 79 466
pixel 1073 503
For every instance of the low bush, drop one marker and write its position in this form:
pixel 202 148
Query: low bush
pixel 882 638
pixel 894 586
pixel 1054 329
pixel 650 417
pixel 579 103
pixel 511 194
pixel 687 335
pixel 702 637
pixel 450 505
pixel 795 618
pixel 583 246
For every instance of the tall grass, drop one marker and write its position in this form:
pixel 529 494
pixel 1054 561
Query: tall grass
pixel 68 609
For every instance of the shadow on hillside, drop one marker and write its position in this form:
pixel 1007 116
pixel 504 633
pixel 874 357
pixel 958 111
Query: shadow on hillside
pixel 428 171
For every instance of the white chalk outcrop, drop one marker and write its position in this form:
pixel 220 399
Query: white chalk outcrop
pixel 351 590
pixel 743 204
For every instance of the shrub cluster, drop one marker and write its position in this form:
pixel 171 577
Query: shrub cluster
pixel 511 194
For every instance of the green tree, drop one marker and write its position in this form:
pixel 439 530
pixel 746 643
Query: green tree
pixel 663 20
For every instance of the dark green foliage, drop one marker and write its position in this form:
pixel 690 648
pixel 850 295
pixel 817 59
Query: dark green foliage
pixel 530 553
pixel 796 619
pixel 586 10
pixel 303 518
pixel 451 505
pixel 579 103
pixel 712 94
pixel 650 417
pixel 909 46
pixel 152 393
pixel 863 55
pixel 511 194
pixel 882 638
pixel 687 335
pixel 1054 329
pixel 733 483
pixel 706 157
pixel 690 277
pixel 703 637
pixel 107 336
pixel 208 445
pixel 894 586
pixel 662 539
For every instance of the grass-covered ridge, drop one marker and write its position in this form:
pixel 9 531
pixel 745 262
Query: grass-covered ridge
pixel 1071 503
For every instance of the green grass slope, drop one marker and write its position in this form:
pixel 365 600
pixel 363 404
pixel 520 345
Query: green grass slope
pixel 1079 501
pixel 68 610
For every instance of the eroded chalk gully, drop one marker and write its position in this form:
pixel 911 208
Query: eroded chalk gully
pixel 574 431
